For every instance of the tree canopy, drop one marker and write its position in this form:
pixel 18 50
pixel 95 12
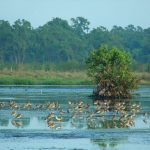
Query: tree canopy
pixel 58 42
pixel 110 69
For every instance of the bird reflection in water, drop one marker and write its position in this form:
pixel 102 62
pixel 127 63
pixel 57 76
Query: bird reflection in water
pixel 102 114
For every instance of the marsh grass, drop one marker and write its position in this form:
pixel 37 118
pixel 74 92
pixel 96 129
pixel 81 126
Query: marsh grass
pixel 43 77
pixel 54 77
pixel 144 77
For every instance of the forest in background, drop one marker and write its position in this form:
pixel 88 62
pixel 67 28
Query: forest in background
pixel 62 45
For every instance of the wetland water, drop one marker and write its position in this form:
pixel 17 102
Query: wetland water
pixel 72 130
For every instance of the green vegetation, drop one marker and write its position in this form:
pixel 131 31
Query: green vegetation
pixel 42 77
pixel 110 71
pixel 144 77
pixel 54 77
pixel 62 46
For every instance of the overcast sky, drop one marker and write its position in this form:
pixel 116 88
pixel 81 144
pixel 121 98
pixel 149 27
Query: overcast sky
pixel 99 12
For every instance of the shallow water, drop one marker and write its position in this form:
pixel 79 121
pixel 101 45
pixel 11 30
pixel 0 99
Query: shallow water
pixel 35 133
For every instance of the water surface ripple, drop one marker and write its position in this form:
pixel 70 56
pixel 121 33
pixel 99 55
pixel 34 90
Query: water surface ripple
pixel 35 133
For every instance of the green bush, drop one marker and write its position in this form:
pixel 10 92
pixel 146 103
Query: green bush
pixel 110 71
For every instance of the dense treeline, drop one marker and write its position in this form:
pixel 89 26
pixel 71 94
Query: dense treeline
pixel 58 43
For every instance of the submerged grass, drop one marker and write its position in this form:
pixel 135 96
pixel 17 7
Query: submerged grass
pixel 53 77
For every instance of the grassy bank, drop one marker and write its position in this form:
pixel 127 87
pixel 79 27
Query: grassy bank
pixel 43 77
pixel 144 77
pixel 51 77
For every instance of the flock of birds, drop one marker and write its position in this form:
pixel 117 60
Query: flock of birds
pixel 100 114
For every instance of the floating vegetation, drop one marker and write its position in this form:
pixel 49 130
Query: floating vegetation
pixel 102 114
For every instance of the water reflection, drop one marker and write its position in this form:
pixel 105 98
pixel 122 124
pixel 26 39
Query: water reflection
pixel 21 122
pixel 4 122
pixel 109 143
pixel 59 116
